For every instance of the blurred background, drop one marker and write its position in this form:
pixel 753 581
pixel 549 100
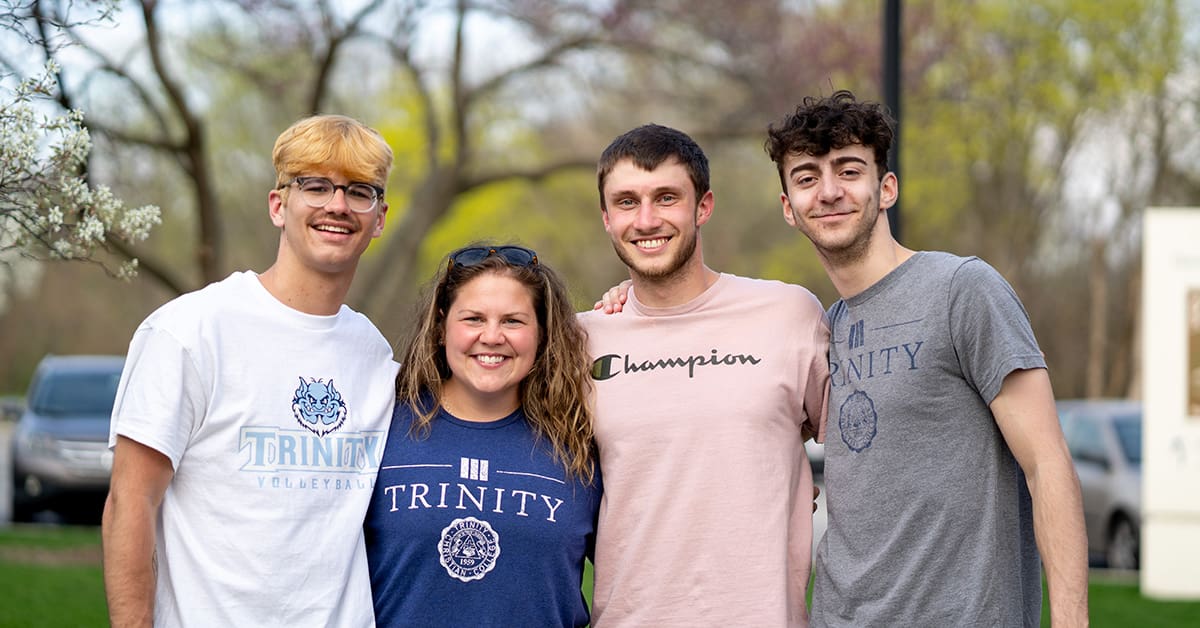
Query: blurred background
pixel 1034 134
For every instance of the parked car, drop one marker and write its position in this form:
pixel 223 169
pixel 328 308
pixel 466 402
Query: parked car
pixel 1105 439
pixel 60 457
pixel 11 408
pixel 816 458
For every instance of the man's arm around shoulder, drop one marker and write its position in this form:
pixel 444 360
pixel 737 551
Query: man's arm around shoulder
pixel 1027 418
pixel 140 476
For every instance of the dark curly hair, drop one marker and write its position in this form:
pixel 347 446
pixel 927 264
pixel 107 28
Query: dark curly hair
pixel 821 124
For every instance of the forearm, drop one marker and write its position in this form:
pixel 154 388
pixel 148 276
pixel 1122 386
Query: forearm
pixel 128 540
pixel 1027 418
pixel 1061 540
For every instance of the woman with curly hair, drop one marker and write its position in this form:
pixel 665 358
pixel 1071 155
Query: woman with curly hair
pixel 486 500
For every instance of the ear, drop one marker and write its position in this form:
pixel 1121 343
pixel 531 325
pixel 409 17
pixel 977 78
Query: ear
pixel 275 207
pixel 380 219
pixel 889 191
pixel 704 208
pixel 789 214
pixel 604 217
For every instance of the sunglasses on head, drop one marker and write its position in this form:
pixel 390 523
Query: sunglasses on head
pixel 514 255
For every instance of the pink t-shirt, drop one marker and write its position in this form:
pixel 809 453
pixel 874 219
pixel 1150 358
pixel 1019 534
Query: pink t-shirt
pixel 707 512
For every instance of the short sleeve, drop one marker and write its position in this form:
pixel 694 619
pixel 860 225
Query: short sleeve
pixel 160 401
pixel 990 328
pixel 816 389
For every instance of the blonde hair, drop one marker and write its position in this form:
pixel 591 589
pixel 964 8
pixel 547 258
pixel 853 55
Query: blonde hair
pixel 332 142
pixel 555 395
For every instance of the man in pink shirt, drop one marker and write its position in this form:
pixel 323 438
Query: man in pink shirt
pixel 706 383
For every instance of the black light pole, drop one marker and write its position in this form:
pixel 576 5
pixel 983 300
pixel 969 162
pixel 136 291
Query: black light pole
pixel 891 94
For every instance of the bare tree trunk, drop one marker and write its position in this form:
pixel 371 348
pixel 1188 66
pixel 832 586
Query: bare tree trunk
pixel 1097 320
pixel 1134 389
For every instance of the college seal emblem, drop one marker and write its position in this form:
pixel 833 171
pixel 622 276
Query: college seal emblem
pixel 468 549
pixel 858 421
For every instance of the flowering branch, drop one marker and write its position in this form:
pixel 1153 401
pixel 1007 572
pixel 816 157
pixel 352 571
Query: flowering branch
pixel 47 209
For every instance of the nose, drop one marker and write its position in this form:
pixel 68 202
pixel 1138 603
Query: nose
pixel 491 334
pixel 646 218
pixel 337 202
pixel 830 190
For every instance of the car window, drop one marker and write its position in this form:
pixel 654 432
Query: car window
pixel 76 393
pixel 1086 443
pixel 1129 435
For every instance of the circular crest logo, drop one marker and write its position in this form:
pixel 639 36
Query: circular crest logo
pixel 468 549
pixel 857 421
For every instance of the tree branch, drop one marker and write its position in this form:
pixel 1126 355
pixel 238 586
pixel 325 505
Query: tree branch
pixel 156 269
pixel 337 39
pixel 531 174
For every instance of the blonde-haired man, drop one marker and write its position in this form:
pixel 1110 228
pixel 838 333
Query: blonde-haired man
pixel 251 415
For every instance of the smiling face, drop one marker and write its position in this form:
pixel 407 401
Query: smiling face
pixel 328 240
pixel 653 219
pixel 836 200
pixel 491 343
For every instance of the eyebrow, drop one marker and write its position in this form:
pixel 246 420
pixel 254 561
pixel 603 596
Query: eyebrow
pixel 656 191
pixel 467 310
pixel 811 164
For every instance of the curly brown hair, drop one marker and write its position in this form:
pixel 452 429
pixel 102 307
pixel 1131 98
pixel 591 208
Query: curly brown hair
pixel 821 124
pixel 555 395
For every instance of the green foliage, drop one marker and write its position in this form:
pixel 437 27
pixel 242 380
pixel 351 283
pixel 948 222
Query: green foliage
pixel 1005 94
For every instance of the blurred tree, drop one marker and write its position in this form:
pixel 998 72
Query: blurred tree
pixel 49 210
pixel 497 110
pixel 1020 109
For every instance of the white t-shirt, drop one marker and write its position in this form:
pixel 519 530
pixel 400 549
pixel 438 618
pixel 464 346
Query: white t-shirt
pixel 274 421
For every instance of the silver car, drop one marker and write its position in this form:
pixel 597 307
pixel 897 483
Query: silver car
pixel 60 453
pixel 1105 439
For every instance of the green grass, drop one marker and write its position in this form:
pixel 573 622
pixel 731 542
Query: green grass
pixel 51 577
pixel 1120 604
pixel 45 584
pixel 50 537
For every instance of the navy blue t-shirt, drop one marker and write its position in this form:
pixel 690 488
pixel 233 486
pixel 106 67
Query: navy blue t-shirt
pixel 477 525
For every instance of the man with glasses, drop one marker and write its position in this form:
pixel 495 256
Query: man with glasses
pixel 705 385
pixel 251 416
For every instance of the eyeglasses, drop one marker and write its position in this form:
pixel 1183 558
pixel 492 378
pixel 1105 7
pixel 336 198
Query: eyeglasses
pixel 472 255
pixel 318 191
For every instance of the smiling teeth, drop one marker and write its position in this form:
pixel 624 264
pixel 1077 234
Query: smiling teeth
pixel 490 359
pixel 650 244
pixel 332 229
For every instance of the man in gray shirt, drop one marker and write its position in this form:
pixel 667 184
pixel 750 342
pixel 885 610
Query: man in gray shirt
pixel 946 471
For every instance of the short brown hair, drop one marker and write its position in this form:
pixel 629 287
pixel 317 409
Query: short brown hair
pixel 648 146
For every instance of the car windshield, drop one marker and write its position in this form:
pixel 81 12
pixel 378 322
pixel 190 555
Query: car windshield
pixel 77 393
pixel 1129 434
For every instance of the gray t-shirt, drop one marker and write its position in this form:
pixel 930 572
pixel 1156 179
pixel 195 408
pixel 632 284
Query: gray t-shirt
pixel 930 522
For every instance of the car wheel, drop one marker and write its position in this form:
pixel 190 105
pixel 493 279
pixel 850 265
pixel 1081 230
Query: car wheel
pixel 22 511
pixel 1122 552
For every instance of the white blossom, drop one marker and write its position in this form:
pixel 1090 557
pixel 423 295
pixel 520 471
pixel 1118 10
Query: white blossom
pixel 47 209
